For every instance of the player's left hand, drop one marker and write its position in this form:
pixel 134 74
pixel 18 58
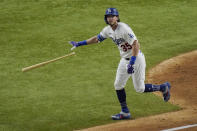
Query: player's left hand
pixel 130 69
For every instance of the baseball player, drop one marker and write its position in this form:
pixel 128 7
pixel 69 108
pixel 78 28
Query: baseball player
pixel 132 62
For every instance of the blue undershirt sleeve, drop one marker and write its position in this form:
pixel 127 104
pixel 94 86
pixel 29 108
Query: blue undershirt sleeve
pixel 100 38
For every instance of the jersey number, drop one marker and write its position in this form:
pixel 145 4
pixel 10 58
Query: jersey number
pixel 126 47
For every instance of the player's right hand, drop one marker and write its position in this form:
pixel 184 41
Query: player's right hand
pixel 74 44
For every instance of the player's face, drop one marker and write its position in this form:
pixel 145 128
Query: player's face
pixel 112 20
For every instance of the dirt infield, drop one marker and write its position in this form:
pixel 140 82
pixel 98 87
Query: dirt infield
pixel 181 72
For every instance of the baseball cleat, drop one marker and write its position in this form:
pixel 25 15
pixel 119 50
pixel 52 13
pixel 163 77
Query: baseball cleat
pixel 121 116
pixel 166 93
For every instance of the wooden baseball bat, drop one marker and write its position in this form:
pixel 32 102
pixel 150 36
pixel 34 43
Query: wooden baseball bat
pixel 46 62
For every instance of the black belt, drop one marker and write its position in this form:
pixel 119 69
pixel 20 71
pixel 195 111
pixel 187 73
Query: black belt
pixel 127 58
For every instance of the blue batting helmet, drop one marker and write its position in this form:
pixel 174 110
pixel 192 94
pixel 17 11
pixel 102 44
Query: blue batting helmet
pixel 111 11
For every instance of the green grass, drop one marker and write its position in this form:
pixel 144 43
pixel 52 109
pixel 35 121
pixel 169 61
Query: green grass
pixel 78 92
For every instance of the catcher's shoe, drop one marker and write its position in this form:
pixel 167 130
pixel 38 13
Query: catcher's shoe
pixel 121 116
pixel 166 93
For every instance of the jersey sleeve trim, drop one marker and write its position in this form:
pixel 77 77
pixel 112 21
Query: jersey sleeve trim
pixel 100 38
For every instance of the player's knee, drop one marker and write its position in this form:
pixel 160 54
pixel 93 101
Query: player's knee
pixel 139 88
pixel 117 86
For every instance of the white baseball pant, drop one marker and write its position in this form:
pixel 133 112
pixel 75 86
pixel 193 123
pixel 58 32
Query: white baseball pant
pixel 138 76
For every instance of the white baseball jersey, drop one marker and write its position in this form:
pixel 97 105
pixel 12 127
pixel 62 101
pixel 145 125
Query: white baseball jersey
pixel 123 37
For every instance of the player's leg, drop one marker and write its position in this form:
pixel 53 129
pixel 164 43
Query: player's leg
pixel 119 84
pixel 139 77
pixel 164 88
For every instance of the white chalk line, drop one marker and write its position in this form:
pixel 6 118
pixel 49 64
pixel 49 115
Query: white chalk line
pixel 179 128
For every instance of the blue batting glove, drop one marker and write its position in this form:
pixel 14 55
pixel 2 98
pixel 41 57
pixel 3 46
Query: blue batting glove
pixel 73 43
pixel 130 69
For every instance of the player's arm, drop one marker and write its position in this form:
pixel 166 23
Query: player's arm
pixel 95 39
pixel 92 40
pixel 135 51
pixel 135 48
pixel 131 39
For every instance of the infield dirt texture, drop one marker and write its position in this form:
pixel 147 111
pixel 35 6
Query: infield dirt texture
pixel 78 92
